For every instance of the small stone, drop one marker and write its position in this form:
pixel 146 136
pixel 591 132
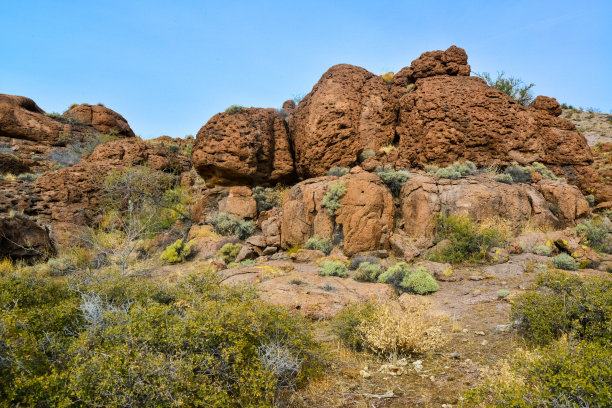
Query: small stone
pixel 479 333
pixel 455 355
pixel 270 250
pixel 365 374
pixel 476 292
pixel 476 277
pixel 484 343
pixel 417 365
pixel 503 328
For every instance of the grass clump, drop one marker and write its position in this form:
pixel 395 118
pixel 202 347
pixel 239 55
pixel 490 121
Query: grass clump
pixel 334 193
pixel 419 282
pixel 388 77
pixel 177 252
pixel 324 245
pixel 394 179
pixel 367 272
pixel 347 322
pixel 228 225
pixel 565 262
pixel 395 274
pixel 504 178
pixel 457 170
pixel 465 241
pixel 594 233
pixel 366 154
pixel 541 250
pixel 518 173
pixel 267 198
pixel 233 109
pixel 545 172
pixel 358 260
pixel 503 293
pixel 229 252
pixel 333 268
pixel 27 176
pixel 6 266
pixel 338 171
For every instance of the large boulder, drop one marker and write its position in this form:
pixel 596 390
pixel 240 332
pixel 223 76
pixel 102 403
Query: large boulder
pixel 452 62
pixel 348 111
pixel 247 147
pixel 22 238
pixel 483 199
pixel 21 118
pixel 101 118
pixel 363 222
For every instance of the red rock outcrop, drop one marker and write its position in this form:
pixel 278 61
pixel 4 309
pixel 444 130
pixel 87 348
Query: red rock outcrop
pixel 363 222
pixel 348 111
pixel 21 118
pixel 452 62
pixel 248 147
pixel 101 118
pixel 547 104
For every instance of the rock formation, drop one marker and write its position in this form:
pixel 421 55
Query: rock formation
pixel 101 118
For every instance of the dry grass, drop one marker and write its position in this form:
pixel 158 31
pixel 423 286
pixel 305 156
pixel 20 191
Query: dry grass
pixel 503 226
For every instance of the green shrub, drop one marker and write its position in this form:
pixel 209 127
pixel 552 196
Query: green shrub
pixel 466 242
pixel 234 109
pixel 541 250
pixel 448 173
pixel 367 272
pixel 333 268
pixel 590 199
pixel 518 173
pixel 504 178
pixel 229 252
pixel 59 267
pixel 565 304
pixel 228 225
pixel 267 198
pixel 346 323
pixel 324 245
pixel 394 179
pixel 503 293
pixel 564 374
pixel 338 171
pixel 395 274
pixel 457 170
pixel 334 193
pixel 420 282
pixel 565 262
pixel 176 252
pixel 545 172
pixel 594 233
pixel 28 176
pixel 358 260
pixel 514 87
pixel 367 153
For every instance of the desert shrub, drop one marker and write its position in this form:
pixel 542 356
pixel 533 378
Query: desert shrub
pixel 448 173
pixel 387 149
pixel 346 323
pixel 293 249
pixel 465 241
pixel 541 250
pixel 75 149
pixel 395 274
pixel 503 293
pixel 228 225
pixel 565 262
pixel 338 171
pixel 234 109
pixel 504 178
pixel 514 87
pixel 176 252
pixel 334 193
pixel 394 179
pixel 388 77
pixel 367 153
pixel 594 233
pixel 563 304
pixel 189 137
pixel 333 268
pixel 420 282
pixel 544 171
pixel 590 198
pixel 518 173
pixel 324 245
pixel 59 267
pixel 267 198
pixel 6 266
pixel 229 252
pixel 457 170
pixel 564 374
pixel 367 272
pixel 27 176
pixel 358 260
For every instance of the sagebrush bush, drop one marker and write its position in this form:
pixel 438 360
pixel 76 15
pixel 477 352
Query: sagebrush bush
pixel 457 170
pixel 324 245
pixel 395 274
pixel 346 323
pixel 334 193
pixel 177 252
pixel 544 171
pixel 333 268
pixel 541 250
pixel 233 109
pixel 367 272
pixel 420 282
pixel 465 241
pixel 504 178
pixel 394 179
pixel 563 304
pixel 565 262
pixel 228 225
pixel 6 266
pixel 564 374
pixel 358 260
pixel 267 198
pixel 338 171
pixel 518 173
pixel 594 233
pixel 448 173
pixel 367 153
pixel 229 252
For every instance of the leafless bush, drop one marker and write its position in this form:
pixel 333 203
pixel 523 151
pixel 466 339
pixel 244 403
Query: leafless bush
pixel 277 357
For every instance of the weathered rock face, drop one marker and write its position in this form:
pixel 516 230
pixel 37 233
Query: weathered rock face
pixel 239 202
pixel 21 118
pixel 249 147
pixel 483 198
pixel 22 238
pixel 452 62
pixel 363 222
pixel 547 104
pixel 348 111
pixel 10 163
pixel 449 118
pixel 101 118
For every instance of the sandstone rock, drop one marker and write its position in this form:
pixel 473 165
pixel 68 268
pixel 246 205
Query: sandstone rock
pixel 21 118
pixel 22 238
pixel 549 105
pixel 453 61
pixel 348 111
pixel 246 252
pixel 10 163
pixel 498 255
pixel 244 148
pixel 402 248
pixel 101 118
pixel 269 250
pixel 569 201
pixel 257 240
pixel 363 222
pixel 307 255
pixel 239 202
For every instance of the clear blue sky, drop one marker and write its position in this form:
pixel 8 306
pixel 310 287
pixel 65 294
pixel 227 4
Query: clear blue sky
pixel 168 66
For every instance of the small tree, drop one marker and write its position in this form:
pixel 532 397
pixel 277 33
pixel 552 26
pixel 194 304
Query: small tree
pixel 515 87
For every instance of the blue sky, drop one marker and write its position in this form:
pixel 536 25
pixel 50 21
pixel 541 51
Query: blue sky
pixel 168 66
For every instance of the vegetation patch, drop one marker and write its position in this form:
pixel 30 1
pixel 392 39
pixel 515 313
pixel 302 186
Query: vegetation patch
pixel 518 173
pixel 229 252
pixel 333 268
pixel 331 199
pixel 324 245
pixel 514 87
pixel 394 179
pixel 228 225
pixel 267 198
pixel 177 252
pixel 338 171
pixel 457 170
pixel 368 272
pixel 233 109
pixel 565 262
